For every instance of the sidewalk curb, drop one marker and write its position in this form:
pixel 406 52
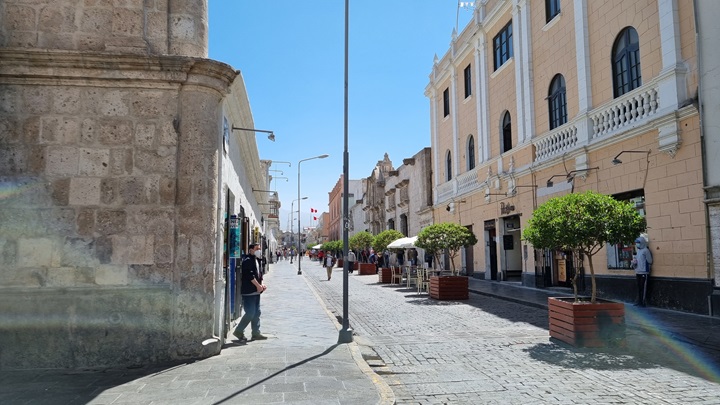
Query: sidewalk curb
pixel 503 297
pixel 387 396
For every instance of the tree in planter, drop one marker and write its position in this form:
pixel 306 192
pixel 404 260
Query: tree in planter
pixel 447 236
pixel 383 239
pixel 583 223
pixel 333 246
pixel 360 241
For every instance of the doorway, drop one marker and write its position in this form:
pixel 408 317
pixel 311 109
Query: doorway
pixel 467 257
pixel 491 258
pixel 512 255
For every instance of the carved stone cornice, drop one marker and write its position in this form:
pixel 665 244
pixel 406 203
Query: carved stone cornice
pixel 58 67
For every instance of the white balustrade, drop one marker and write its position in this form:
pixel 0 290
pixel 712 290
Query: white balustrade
pixel 624 111
pixel 620 114
pixel 467 182
pixel 556 142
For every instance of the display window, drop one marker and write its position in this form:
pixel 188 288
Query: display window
pixel 620 256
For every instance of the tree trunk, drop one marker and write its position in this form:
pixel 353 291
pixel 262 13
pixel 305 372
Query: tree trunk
pixel 592 278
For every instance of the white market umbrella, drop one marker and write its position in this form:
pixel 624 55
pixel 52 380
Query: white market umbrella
pixel 317 246
pixel 403 243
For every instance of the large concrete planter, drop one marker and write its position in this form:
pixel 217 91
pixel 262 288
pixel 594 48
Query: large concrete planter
pixel 449 287
pixel 340 263
pixel 583 324
pixel 366 269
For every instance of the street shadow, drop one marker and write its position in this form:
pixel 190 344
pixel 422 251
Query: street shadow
pixel 579 358
pixel 279 372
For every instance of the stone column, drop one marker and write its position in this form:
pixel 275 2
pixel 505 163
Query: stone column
pixel 188 28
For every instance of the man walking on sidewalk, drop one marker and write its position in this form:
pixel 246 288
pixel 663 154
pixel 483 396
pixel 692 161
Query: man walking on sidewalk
pixel 250 289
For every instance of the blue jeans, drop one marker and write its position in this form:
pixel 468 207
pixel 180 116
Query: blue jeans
pixel 251 305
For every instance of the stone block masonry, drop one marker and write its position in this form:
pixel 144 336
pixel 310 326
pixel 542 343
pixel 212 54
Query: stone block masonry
pixel 108 226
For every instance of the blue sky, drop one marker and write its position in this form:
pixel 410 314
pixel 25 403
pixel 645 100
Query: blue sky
pixel 291 54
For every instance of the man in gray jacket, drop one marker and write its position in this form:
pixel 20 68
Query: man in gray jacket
pixel 642 265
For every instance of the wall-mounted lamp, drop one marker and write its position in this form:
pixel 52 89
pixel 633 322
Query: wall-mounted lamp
pixel 271 135
pixel 272 162
pixel 276 171
pixel 452 205
pixel 569 176
pixel 266 191
pixel 550 182
pixel 513 190
pixel 278 177
pixel 617 161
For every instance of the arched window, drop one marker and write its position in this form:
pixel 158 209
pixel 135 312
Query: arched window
pixel 626 62
pixel 448 166
pixel 506 143
pixel 557 102
pixel 471 153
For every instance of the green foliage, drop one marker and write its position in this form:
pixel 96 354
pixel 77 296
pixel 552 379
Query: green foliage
pixel 334 246
pixel 583 223
pixel 384 238
pixel 447 236
pixel 361 240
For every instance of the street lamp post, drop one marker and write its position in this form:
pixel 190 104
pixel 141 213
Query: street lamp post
pixel 345 334
pixel 298 241
pixel 292 212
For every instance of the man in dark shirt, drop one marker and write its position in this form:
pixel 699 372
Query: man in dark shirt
pixel 250 289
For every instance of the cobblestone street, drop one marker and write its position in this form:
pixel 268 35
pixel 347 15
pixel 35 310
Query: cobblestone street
pixel 486 350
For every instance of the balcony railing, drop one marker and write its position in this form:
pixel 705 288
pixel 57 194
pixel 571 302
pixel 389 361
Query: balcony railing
pixel 629 109
pixel 467 181
pixel 615 117
pixel 556 142
pixel 620 114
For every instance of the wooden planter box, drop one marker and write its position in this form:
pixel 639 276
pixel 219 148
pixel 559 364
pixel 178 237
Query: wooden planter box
pixel 385 275
pixel 583 324
pixel 366 269
pixel 449 287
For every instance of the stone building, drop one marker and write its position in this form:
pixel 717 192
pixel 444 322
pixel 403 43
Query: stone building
pixel 116 141
pixel 537 99
pixel 374 198
pixel 408 195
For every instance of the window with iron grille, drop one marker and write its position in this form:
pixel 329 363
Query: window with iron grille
pixel 627 75
pixel 502 45
pixel 552 8
pixel 468 81
pixel 446 102
pixel 557 102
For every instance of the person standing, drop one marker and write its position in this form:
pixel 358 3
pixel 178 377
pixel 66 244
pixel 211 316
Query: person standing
pixel 642 264
pixel 329 263
pixel 250 289
pixel 351 260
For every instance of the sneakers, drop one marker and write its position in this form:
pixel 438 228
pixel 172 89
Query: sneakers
pixel 258 336
pixel 240 336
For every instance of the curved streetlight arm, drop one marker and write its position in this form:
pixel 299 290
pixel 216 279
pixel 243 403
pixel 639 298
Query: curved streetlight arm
pixel 298 219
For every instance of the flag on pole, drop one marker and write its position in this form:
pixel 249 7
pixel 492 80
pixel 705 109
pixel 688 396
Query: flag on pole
pixel 312 210
pixel 314 218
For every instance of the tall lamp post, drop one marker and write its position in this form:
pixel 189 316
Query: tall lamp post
pixel 345 334
pixel 292 212
pixel 298 241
